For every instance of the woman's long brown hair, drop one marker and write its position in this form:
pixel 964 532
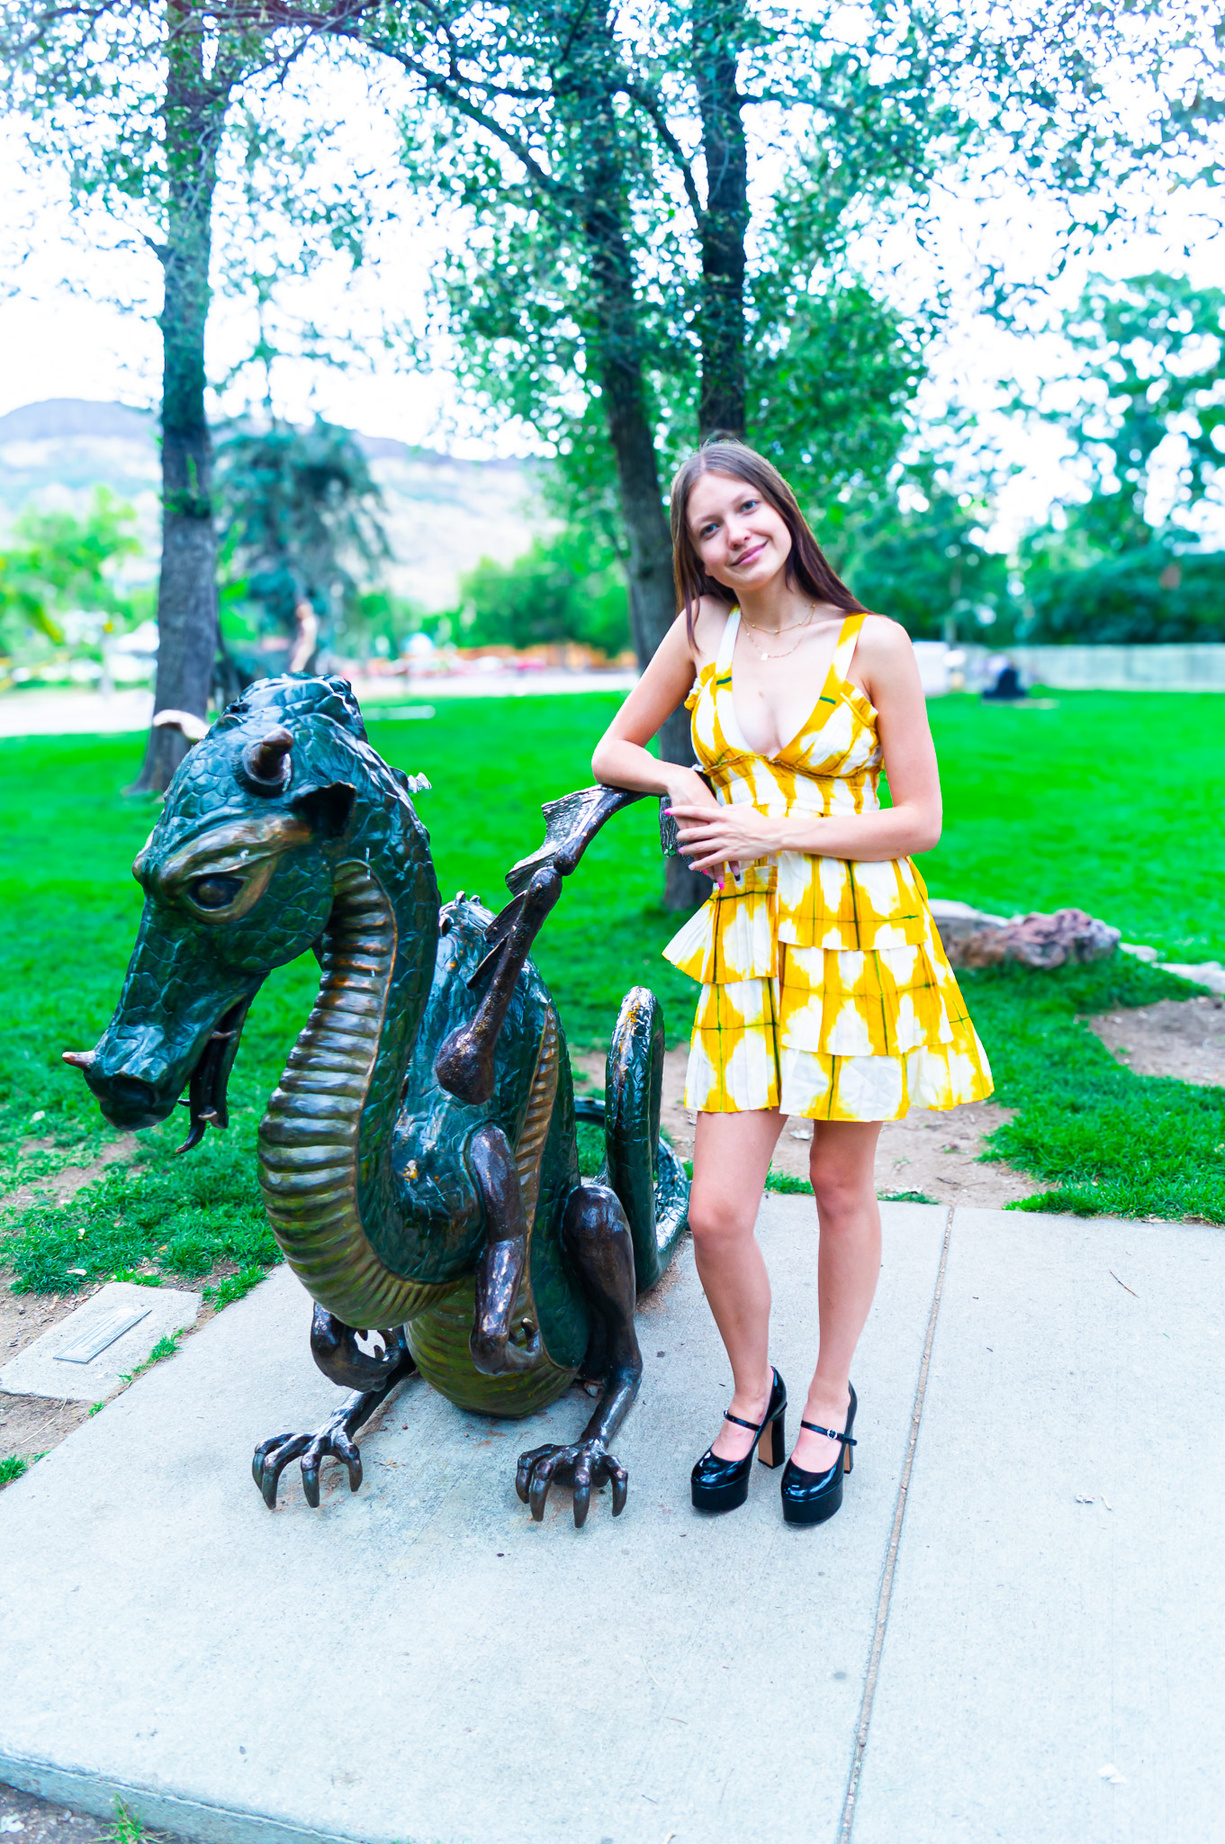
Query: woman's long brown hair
pixel 807 567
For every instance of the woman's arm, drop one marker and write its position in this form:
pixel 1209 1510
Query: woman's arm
pixel 887 668
pixel 622 759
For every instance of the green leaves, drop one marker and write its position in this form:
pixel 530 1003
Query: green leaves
pixel 561 589
pixel 56 562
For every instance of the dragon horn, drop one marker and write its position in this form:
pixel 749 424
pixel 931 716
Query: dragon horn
pixel 266 761
pixel 80 1059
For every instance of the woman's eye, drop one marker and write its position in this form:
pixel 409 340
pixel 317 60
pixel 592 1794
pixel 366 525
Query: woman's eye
pixel 214 892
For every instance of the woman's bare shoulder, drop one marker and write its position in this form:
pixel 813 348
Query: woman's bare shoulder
pixel 883 639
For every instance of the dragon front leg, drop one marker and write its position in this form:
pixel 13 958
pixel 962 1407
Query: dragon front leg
pixel 598 1242
pixel 465 1063
pixel 500 1269
pixel 372 1374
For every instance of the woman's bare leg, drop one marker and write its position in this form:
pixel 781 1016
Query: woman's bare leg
pixel 842 1165
pixel 731 1156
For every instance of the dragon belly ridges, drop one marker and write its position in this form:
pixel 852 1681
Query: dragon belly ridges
pixel 438 1337
pixel 308 1139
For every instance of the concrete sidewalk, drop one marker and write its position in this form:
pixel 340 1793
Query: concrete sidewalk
pixel 1009 1632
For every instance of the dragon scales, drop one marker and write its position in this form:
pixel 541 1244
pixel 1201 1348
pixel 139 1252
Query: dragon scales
pixel 418 1158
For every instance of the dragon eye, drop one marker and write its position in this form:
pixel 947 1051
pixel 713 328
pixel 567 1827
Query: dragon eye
pixel 214 892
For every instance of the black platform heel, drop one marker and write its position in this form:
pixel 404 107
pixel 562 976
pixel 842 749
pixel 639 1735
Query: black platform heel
pixel 809 1498
pixel 721 1485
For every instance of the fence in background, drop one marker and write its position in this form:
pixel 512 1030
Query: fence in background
pixel 1196 666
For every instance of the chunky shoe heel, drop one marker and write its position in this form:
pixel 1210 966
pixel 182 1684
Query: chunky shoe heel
pixel 810 1498
pixel 772 1447
pixel 722 1485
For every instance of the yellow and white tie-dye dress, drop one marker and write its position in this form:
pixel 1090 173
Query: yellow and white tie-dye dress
pixel 825 989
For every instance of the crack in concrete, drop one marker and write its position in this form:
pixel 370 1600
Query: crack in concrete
pixel 847 1821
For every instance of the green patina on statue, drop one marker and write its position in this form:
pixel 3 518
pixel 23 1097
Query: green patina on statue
pixel 418 1158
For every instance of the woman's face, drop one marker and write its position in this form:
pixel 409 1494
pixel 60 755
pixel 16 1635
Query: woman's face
pixel 742 540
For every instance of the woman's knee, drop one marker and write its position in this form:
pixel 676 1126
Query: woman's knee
pixel 716 1222
pixel 842 1197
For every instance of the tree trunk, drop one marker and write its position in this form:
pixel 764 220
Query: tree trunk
pixel 719 28
pixel 620 368
pixel 194 114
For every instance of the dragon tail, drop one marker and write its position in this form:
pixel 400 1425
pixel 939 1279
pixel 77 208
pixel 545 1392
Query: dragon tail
pixel 641 1168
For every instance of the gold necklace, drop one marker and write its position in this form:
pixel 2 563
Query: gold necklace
pixel 801 625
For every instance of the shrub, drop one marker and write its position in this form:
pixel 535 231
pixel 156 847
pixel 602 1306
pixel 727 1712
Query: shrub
pixel 1136 598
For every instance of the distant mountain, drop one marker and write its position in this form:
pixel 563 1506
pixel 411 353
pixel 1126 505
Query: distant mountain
pixel 443 514
pixel 57 417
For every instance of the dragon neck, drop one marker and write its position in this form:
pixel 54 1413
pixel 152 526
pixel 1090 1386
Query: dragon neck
pixel 325 1142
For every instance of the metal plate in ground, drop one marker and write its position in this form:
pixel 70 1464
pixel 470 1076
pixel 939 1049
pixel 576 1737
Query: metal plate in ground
pixel 97 1338
pixel 47 1367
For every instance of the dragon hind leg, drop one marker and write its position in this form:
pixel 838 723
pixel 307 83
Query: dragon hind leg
pixel 341 1358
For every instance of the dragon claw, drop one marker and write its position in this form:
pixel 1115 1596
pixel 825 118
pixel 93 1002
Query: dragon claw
pixel 270 1460
pixel 585 1466
pixel 273 1456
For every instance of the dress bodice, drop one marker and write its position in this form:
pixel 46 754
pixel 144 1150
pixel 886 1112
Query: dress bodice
pixel 830 767
pixel 832 763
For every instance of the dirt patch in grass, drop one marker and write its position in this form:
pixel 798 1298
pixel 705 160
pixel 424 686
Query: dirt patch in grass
pixel 65 1182
pixel 935 1154
pixel 1183 1038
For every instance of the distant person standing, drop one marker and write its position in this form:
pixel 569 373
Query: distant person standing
pixel 825 990
pixel 305 636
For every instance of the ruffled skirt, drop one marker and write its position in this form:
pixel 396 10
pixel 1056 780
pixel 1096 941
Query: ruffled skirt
pixel 838 1034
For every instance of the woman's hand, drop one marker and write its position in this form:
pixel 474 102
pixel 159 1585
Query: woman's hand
pixel 724 838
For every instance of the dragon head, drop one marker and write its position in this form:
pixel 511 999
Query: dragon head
pixel 238 879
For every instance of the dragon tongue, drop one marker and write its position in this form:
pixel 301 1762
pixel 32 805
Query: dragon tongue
pixel 210 1077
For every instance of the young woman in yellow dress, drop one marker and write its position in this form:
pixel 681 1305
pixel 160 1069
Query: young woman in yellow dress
pixel 825 992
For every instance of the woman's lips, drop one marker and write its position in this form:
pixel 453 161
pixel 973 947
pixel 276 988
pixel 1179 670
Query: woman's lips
pixel 749 556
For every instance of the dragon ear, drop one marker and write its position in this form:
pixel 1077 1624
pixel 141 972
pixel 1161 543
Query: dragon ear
pixel 327 811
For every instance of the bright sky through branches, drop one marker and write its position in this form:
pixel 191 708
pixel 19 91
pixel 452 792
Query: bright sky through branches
pixel 64 335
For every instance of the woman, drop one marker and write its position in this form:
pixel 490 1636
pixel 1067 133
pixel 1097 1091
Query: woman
pixel 825 991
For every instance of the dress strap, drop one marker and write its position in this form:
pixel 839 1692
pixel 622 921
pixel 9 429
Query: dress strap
pixel 844 652
pixel 727 641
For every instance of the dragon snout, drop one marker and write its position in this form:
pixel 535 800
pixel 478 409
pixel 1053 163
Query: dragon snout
pixel 127 1101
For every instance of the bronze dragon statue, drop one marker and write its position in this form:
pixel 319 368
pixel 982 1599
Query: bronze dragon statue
pixel 419 1157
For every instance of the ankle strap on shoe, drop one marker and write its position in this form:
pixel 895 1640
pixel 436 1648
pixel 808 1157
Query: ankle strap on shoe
pixel 847 1439
pixel 741 1422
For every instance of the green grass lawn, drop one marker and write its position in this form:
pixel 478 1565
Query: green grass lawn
pixel 1111 802
pixel 1044 808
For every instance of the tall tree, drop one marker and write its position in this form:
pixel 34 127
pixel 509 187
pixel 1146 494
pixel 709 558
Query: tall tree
pixel 603 156
pixel 720 30
pixel 136 98
pixel 195 101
